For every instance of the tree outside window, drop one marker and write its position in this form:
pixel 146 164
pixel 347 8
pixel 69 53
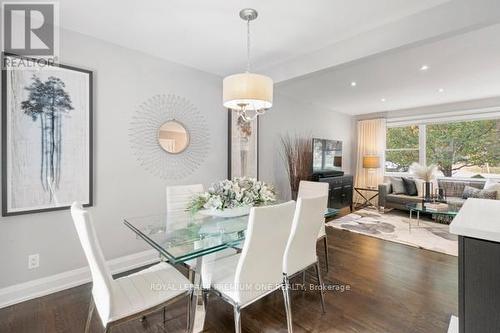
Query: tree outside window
pixel 401 148
pixel 464 149
pixel 459 149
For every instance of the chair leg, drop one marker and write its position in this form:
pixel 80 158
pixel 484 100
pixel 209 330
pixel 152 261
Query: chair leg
pixel 89 315
pixel 320 281
pixel 325 244
pixel 237 319
pixel 164 316
pixel 288 305
pixel 190 315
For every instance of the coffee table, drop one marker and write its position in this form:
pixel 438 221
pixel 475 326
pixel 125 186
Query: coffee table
pixel 448 213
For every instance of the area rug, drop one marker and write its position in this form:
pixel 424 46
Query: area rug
pixel 393 226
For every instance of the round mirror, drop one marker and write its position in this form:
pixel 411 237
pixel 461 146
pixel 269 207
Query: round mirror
pixel 173 137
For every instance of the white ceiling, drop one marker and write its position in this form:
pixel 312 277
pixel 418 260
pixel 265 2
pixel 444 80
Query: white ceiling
pixel 209 35
pixel 466 66
pixel 314 49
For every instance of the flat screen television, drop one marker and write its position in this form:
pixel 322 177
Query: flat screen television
pixel 327 155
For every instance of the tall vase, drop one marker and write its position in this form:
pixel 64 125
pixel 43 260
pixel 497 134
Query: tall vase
pixel 427 191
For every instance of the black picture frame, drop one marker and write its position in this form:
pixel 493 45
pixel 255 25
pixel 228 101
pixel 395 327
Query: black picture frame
pixel 5 211
pixel 230 128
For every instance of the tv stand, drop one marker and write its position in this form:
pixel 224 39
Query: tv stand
pixel 340 190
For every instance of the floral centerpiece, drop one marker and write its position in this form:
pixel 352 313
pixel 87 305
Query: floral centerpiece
pixel 233 197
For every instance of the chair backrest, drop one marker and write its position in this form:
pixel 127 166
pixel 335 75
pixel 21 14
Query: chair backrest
pixel 314 189
pixel 301 247
pixel 178 197
pixel 102 280
pixel 259 267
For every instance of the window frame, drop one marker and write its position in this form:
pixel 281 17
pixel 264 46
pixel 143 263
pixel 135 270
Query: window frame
pixel 402 173
pixel 422 143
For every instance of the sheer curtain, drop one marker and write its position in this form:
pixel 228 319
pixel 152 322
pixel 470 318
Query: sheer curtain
pixel 371 142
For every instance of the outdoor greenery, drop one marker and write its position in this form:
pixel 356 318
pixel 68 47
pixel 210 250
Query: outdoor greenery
pixel 402 148
pixel 450 146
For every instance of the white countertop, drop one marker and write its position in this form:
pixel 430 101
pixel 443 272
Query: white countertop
pixel 478 218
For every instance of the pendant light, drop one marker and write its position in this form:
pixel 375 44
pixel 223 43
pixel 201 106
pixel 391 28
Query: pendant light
pixel 248 93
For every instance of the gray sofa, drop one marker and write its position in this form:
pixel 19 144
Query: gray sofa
pixel 452 188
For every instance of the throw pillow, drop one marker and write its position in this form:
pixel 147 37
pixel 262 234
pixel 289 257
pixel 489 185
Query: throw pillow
pixel 470 192
pixel 398 187
pixel 491 185
pixel 486 194
pixel 411 188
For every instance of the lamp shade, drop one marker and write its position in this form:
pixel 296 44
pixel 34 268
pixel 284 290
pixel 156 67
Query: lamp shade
pixel 371 162
pixel 255 91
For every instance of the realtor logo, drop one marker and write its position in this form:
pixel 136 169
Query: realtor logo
pixel 30 29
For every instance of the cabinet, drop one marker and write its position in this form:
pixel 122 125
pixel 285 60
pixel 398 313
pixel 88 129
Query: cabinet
pixel 340 191
pixel 478 287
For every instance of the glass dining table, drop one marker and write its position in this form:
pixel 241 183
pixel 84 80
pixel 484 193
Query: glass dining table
pixel 182 236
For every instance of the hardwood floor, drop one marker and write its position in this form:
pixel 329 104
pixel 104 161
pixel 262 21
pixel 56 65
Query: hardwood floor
pixel 393 288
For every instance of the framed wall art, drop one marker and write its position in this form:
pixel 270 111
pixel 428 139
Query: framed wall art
pixel 46 137
pixel 243 146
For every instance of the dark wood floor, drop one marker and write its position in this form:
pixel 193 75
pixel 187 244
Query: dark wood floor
pixel 393 288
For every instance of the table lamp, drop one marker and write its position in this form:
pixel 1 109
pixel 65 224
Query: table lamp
pixel 371 162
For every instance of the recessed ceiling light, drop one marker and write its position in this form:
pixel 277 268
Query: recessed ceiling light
pixel 424 67
pixel 382 100
pixel 353 84
pixel 440 90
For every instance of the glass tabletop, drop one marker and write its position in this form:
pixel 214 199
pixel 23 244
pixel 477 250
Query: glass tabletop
pixel 444 209
pixel 182 236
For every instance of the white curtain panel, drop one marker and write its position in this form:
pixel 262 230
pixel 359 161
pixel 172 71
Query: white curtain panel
pixel 371 142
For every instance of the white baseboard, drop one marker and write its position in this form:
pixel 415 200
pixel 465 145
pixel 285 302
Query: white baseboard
pixel 44 286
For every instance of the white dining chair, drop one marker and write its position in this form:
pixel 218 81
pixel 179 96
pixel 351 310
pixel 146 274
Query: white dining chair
pixel 132 296
pixel 178 199
pixel 300 252
pixel 247 277
pixel 317 189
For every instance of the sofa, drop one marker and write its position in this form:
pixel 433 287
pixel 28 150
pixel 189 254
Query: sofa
pixel 452 188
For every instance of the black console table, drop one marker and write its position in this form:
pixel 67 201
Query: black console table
pixel 340 191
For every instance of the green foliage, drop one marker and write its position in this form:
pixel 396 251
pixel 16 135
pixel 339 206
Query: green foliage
pixel 405 142
pixel 450 146
pixel 454 146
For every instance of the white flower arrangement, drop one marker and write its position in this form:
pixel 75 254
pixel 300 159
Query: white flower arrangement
pixel 228 194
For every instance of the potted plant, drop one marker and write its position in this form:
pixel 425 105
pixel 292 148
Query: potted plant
pixel 231 198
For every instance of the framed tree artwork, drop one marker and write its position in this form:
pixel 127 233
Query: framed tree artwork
pixel 243 146
pixel 46 137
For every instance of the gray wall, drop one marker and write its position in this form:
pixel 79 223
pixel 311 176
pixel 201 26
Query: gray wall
pixel 123 80
pixel 294 116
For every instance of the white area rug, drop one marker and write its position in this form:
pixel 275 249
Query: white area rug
pixel 393 226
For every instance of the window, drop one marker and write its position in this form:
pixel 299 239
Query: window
pixel 459 149
pixel 401 148
pixel 465 149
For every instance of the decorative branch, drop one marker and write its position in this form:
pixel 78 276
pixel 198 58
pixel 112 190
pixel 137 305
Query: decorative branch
pixel 297 155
